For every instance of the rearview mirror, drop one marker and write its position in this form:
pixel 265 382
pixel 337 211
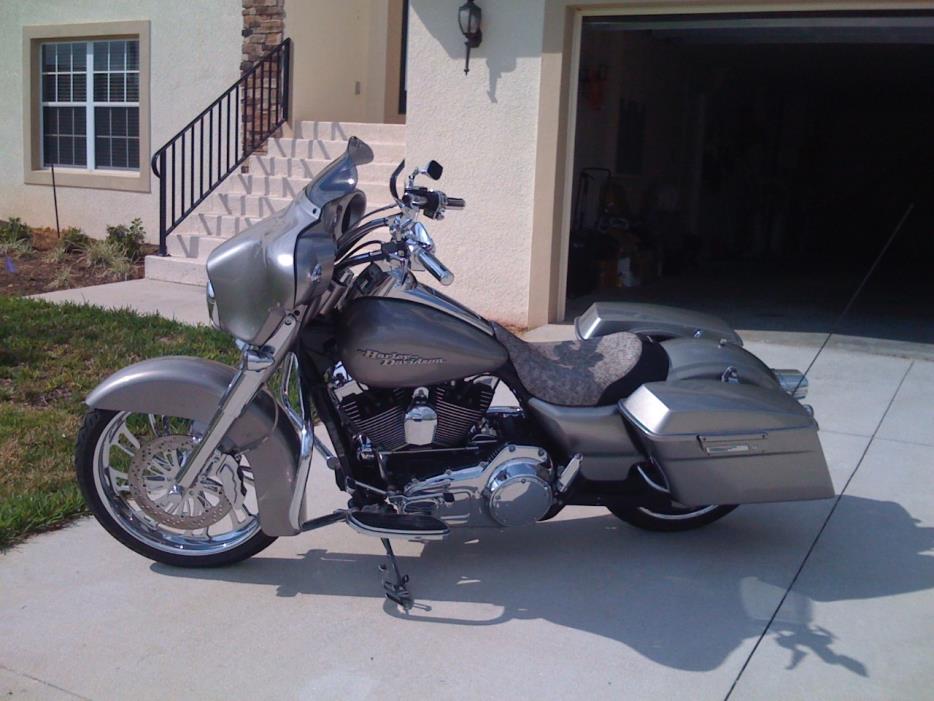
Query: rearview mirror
pixel 434 170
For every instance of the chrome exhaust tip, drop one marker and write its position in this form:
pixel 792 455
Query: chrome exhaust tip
pixel 793 382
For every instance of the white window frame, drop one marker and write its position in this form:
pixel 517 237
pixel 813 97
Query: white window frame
pixel 89 102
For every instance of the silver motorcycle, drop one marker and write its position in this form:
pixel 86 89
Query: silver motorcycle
pixel 658 414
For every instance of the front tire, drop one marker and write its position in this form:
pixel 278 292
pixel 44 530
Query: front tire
pixel 106 441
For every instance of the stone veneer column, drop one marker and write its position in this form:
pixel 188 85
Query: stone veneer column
pixel 263 28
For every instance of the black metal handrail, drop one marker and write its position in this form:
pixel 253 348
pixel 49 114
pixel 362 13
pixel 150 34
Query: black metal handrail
pixel 238 122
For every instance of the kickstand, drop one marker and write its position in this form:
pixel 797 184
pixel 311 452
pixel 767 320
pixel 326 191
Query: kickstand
pixel 395 588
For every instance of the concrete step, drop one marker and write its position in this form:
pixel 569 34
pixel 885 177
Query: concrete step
pixel 188 271
pixel 342 131
pixel 282 186
pixel 306 169
pixel 192 245
pixel 214 225
pixel 270 185
pixel 328 150
pixel 274 180
pixel 248 205
pixel 224 225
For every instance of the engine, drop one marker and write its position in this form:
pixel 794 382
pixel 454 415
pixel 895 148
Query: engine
pixel 448 454
pixel 439 416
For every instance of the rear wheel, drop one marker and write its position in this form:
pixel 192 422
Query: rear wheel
pixel 671 517
pixel 125 465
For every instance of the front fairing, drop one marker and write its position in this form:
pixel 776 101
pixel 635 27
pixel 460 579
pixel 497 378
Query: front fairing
pixel 286 260
pixel 339 177
pixel 254 275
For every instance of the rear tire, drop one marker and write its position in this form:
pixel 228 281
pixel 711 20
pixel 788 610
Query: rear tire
pixel 92 429
pixel 672 519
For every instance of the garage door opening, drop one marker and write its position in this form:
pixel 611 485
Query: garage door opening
pixel 753 168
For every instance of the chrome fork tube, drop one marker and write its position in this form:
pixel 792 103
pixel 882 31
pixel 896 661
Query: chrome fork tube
pixel 256 367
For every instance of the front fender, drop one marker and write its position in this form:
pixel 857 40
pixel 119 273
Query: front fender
pixel 191 388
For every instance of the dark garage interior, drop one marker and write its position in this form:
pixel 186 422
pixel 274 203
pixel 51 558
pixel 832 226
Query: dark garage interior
pixel 755 167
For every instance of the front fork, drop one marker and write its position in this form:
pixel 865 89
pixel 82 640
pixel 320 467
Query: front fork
pixel 258 363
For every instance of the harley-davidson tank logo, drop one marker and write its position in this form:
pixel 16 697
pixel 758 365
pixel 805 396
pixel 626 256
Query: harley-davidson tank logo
pixel 398 358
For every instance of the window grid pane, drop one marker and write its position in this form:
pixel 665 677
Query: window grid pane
pixel 64 137
pixel 116 137
pixel 64 125
pixel 114 72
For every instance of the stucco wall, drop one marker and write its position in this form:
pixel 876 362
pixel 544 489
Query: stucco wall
pixel 195 54
pixel 340 59
pixel 483 128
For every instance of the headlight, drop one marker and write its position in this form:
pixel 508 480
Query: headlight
pixel 212 307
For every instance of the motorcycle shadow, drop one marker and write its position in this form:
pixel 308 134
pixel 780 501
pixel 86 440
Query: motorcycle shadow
pixel 685 600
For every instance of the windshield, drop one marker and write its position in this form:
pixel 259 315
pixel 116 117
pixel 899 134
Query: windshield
pixel 339 177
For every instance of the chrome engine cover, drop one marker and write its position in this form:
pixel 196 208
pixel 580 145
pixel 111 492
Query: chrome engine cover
pixel 514 488
pixel 518 495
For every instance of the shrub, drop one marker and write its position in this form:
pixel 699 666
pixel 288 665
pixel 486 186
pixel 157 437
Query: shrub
pixel 57 254
pixel 17 234
pixel 15 248
pixel 128 239
pixel 61 279
pixel 110 255
pixel 74 240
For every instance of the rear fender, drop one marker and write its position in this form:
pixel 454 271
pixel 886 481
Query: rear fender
pixel 704 359
pixel 191 388
pixel 655 320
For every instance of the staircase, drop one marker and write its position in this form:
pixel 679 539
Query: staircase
pixel 273 181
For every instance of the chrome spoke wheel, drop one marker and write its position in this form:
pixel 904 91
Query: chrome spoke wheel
pixel 135 461
pixel 656 479
pixel 666 514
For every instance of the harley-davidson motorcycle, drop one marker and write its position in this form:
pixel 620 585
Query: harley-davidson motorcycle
pixel 658 414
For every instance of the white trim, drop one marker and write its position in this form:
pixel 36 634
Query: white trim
pixel 567 197
pixel 41 105
pixel 89 103
pixel 89 106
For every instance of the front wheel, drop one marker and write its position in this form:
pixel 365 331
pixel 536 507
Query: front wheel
pixel 125 466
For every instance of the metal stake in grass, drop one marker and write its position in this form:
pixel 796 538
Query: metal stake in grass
pixel 55 200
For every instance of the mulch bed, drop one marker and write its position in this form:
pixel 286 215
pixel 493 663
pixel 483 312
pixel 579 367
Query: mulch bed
pixel 33 273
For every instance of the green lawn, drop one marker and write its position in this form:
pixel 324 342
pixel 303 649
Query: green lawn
pixel 51 356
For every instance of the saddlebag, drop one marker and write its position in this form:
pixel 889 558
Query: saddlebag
pixel 723 443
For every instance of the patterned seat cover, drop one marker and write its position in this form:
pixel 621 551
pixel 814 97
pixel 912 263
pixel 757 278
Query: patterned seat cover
pixel 572 373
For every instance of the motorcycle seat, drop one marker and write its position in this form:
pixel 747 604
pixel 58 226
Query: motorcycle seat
pixel 589 372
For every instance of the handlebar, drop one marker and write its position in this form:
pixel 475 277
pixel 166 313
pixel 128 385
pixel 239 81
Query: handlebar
pixel 434 266
pixel 456 203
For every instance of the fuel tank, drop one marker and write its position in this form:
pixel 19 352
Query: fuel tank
pixel 395 343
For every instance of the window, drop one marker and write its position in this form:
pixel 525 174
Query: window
pixel 90 104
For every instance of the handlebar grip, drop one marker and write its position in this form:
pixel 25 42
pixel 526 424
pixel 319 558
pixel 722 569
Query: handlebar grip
pixel 456 203
pixel 434 266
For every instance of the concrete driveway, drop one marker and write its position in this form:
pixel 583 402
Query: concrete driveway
pixel 829 600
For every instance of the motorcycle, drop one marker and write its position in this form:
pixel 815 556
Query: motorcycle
pixel 658 414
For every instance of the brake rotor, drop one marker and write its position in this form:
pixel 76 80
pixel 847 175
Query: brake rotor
pixel 152 483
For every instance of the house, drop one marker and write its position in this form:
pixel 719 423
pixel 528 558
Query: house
pixel 732 148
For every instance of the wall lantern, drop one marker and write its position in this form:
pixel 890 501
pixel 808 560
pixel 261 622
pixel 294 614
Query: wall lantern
pixel 468 16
